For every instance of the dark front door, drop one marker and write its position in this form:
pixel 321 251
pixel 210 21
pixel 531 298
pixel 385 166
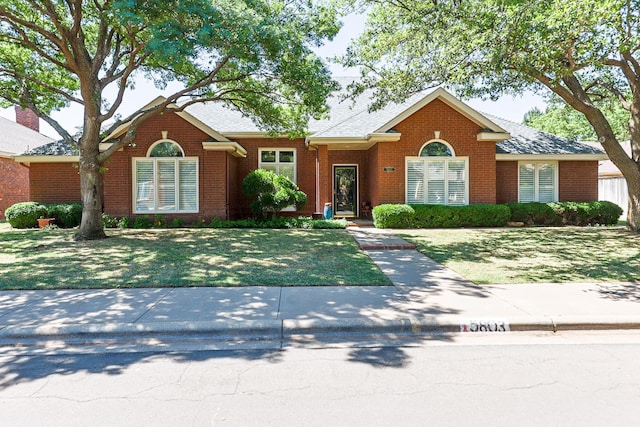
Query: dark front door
pixel 345 190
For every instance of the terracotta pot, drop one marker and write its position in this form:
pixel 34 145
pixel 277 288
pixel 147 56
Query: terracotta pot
pixel 43 222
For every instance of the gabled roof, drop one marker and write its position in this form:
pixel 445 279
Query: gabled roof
pixel 533 142
pixel 15 138
pixel 204 127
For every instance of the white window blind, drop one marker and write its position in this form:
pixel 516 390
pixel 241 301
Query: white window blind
pixel 415 181
pixel 437 181
pixel 537 182
pixel 165 185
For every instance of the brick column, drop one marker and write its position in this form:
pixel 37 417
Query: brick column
pixel 323 177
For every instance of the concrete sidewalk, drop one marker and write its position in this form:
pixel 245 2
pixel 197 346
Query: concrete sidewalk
pixel 425 299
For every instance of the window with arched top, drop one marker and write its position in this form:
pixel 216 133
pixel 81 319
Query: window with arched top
pixel 437 176
pixel 166 181
pixel 165 148
pixel 436 149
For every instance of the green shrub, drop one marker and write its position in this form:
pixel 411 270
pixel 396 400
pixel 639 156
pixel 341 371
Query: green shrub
pixel 271 193
pixel 67 215
pixel 159 222
pixel 279 222
pixel 142 222
pixel 25 214
pixel 440 216
pixel 566 213
pixel 393 216
pixel 177 223
pixel 109 221
pixel 534 213
pixel 124 222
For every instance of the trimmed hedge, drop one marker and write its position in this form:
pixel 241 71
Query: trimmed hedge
pixel 25 214
pixel 440 216
pixel 566 213
pixel 67 215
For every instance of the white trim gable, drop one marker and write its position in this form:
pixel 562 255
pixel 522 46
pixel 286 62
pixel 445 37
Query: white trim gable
pixel 120 130
pixel 452 102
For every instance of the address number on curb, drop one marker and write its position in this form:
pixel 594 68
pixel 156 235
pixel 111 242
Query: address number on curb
pixel 484 325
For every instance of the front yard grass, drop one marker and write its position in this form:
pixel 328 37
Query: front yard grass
pixel 533 255
pixel 49 259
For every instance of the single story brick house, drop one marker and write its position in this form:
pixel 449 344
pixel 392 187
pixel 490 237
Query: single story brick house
pixel 432 148
pixel 15 138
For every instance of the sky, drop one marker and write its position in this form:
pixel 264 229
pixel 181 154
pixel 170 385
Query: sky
pixel 507 107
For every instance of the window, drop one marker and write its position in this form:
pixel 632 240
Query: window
pixel 437 176
pixel 537 182
pixel 165 181
pixel 281 161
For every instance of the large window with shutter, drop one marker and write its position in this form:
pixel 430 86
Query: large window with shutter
pixel 437 176
pixel 537 182
pixel 165 181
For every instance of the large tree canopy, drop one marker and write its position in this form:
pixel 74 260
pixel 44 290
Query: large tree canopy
pixel 584 51
pixel 254 55
pixel 560 119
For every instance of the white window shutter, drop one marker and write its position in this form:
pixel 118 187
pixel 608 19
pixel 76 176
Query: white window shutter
pixel 526 183
pixel 546 183
pixel 436 182
pixel 415 181
pixel 144 186
pixel 188 183
pixel 456 175
pixel 166 185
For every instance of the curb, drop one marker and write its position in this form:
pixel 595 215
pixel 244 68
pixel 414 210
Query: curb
pixel 312 329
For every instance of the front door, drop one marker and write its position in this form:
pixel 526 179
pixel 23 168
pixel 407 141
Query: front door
pixel 345 190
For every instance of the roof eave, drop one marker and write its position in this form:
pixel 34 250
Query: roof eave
pixel 46 159
pixel 551 157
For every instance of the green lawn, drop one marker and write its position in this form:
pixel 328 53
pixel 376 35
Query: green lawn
pixel 39 259
pixel 537 255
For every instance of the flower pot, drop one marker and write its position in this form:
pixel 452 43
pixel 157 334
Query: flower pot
pixel 43 222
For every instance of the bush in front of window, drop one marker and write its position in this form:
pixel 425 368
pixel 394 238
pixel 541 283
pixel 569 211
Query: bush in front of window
pixel 533 213
pixel 271 193
pixel 393 216
pixel 440 216
pixel 480 215
pixel 566 213
pixel 25 214
pixel 67 215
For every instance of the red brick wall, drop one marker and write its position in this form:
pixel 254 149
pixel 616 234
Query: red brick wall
pixel 578 181
pixel 54 182
pixel 118 186
pixel 14 184
pixel 27 118
pixel 457 130
pixel 507 182
pixel 350 157
pixel 305 168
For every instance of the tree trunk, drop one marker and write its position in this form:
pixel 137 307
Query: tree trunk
pixel 633 212
pixel 91 227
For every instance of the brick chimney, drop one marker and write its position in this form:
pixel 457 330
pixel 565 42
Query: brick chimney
pixel 28 118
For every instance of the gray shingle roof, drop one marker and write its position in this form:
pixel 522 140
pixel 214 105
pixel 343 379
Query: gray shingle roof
pixel 15 138
pixel 55 148
pixel 527 140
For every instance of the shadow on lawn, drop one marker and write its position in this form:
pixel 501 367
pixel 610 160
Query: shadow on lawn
pixel 593 254
pixel 190 257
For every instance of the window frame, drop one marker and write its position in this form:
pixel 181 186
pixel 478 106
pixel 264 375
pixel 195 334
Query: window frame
pixel 425 183
pixel 154 183
pixel 277 163
pixel 536 180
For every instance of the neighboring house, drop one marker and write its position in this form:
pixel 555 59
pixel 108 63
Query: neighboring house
pixel 15 138
pixel 612 186
pixel 431 149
